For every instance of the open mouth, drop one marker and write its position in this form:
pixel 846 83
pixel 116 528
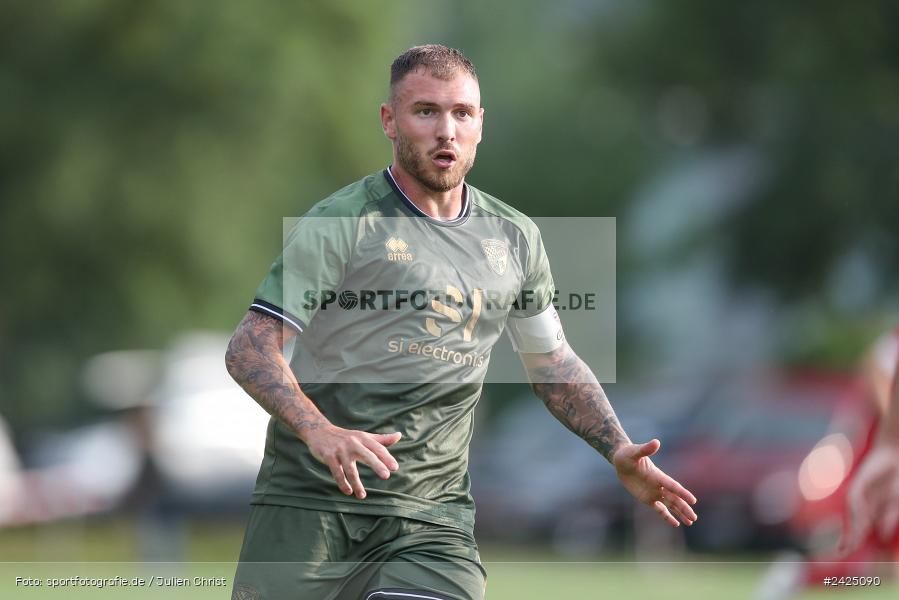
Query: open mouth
pixel 444 158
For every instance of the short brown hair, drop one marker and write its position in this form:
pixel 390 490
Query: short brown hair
pixel 441 62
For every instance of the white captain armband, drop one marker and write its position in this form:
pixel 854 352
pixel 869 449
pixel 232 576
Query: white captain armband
pixel 538 334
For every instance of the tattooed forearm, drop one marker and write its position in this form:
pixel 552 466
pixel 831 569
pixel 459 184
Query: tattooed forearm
pixel 572 394
pixel 255 361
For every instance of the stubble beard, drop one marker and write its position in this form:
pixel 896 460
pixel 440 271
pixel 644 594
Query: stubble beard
pixel 417 166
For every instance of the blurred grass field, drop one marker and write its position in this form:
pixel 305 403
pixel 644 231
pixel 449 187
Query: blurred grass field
pixel 112 548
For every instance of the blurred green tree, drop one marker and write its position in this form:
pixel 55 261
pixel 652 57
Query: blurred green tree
pixel 149 151
pixel 597 99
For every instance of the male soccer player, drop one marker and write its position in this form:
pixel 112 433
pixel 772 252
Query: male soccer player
pixel 872 501
pixel 427 272
pixel 868 497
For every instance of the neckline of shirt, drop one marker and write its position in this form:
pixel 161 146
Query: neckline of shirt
pixel 461 218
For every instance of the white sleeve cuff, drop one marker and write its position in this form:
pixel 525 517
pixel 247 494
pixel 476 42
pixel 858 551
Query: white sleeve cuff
pixel 538 334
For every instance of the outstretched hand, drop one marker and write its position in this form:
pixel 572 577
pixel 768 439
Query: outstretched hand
pixel 651 486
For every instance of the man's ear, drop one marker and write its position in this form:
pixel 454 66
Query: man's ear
pixel 481 128
pixel 388 124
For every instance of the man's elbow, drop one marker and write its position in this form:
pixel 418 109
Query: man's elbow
pixel 233 362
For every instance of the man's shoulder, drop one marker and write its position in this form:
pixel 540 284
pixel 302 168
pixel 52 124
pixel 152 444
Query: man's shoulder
pixel 353 199
pixel 491 205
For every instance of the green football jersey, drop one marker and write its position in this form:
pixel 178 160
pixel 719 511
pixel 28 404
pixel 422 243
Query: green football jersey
pixel 397 314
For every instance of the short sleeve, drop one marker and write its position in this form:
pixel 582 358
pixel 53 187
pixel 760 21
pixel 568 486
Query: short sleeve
pixel 533 325
pixel 313 263
pixel 538 289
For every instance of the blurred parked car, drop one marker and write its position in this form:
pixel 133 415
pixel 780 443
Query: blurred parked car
pixel 179 437
pixel 208 434
pixel 737 442
pixel 741 453
pixel 532 479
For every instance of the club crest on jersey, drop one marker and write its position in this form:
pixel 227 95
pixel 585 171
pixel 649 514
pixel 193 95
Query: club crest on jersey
pixel 397 250
pixel 497 255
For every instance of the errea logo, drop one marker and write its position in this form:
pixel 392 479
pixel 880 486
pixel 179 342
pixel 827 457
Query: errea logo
pixel 396 250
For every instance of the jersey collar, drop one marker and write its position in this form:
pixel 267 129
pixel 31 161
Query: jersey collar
pixel 461 218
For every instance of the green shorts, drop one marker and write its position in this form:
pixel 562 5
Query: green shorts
pixel 298 554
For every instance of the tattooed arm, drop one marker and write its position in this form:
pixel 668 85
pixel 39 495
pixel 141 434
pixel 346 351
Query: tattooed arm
pixel 572 394
pixel 255 360
pixel 570 391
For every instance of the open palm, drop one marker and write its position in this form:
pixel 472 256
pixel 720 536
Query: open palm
pixel 652 486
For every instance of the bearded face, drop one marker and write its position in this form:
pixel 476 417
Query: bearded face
pixel 421 164
pixel 435 124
